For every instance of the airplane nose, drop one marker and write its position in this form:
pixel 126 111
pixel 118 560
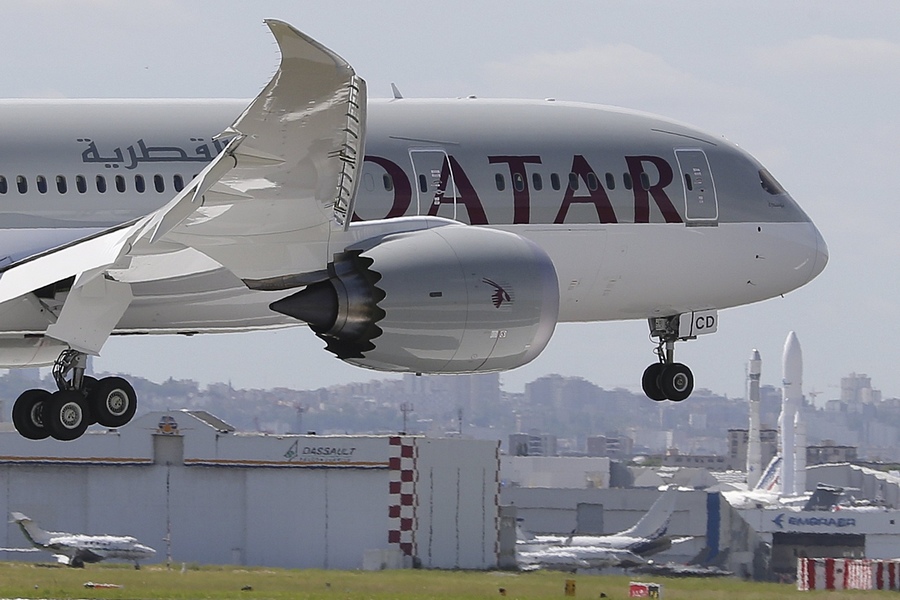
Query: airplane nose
pixel 821 254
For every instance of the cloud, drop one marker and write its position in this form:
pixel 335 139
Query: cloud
pixel 828 55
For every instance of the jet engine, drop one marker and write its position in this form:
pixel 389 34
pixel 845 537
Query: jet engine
pixel 452 299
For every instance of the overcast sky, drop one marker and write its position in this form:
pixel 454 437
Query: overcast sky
pixel 812 89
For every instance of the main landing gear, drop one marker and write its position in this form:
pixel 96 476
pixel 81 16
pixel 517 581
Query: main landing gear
pixel 667 379
pixel 79 402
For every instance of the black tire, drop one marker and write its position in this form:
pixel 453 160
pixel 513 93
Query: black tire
pixel 66 415
pixel 650 382
pixel 113 402
pixel 676 382
pixel 28 414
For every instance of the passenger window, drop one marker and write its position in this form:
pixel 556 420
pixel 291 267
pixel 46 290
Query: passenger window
pixel 42 184
pixel 610 181
pixel 554 181
pixel 688 183
pixel 537 182
pixel 645 181
pixel 80 184
pixel 500 181
pixel 22 184
pixel 4 187
pixel 139 184
pixel 626 178
pixel 159 183
pixel 423 184
pixel 61 185
pixel 101 184
pixel 120 183
pixel 178 180
pixel 519 182
pixel 592 182
pixel 388 182
pixel 573 181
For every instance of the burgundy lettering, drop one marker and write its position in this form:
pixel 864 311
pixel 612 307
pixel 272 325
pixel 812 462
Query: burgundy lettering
pixel 466 194
pixel 642 196
pixel 597 197
pixel 521 198
pixel 402 188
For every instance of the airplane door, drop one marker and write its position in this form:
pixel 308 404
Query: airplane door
pixel 434 182
pixel 699 189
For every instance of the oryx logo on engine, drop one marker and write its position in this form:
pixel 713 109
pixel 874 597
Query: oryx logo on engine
pixel 500 295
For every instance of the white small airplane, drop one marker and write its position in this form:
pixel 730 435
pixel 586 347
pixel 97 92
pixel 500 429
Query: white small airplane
pixel 420 236
pixel 76 549
pixel 627 548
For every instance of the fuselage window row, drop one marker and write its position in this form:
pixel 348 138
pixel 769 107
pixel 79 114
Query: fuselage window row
pixel 592 180
pixel 159 184
pixel 140 184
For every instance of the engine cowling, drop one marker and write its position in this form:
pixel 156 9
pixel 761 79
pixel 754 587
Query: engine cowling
pixel 452 299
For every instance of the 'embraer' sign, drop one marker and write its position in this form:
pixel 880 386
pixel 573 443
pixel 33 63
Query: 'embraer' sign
pixel 818 522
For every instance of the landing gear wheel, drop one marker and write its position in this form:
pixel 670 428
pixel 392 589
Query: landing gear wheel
pixel 28 414
pixel 112 401
pixel 676 381
pixel 650 382
pixel 66 415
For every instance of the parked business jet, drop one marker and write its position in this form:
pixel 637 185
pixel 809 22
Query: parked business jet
pixel 624 549
pixel 423 236
pixel 75 549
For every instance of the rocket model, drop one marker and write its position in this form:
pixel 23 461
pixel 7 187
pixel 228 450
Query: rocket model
pixel 792 454
pixel 754 451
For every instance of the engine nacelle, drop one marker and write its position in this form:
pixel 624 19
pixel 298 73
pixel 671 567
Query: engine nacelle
pixel 452 299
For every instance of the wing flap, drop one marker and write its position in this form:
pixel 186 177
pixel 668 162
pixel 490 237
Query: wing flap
pixel 87 256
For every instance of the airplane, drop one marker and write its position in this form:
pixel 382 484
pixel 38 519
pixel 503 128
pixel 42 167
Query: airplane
pixel 411 235
pixel 74 549
pixel 627 548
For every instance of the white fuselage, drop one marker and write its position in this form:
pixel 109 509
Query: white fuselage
pixel 93 548
pixel 640 215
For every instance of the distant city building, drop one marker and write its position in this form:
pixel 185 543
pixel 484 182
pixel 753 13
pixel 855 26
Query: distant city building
pixel 738 440
pixel 532 444
pixel 613 446
pixel 828 452
pixel 856 388
pixel 555 471
pixel 672 458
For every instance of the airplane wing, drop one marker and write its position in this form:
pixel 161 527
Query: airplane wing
pixel 263 208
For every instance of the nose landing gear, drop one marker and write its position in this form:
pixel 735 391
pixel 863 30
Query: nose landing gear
pixel 667 379
pixel 79 402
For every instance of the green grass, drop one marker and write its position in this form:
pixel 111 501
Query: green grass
pixel 27 580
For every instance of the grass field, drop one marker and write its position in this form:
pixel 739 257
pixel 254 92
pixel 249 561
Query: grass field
pixel 27 580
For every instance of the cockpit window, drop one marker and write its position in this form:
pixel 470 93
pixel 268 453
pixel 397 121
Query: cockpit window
pixel 769 183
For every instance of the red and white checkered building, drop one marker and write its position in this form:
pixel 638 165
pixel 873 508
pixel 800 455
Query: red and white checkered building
pixel 444 501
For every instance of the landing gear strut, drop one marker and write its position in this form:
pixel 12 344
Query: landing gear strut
pixel 79 402
pixel 667 379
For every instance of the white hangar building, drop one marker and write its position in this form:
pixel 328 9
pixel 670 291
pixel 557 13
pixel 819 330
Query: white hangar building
pixel 222 497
